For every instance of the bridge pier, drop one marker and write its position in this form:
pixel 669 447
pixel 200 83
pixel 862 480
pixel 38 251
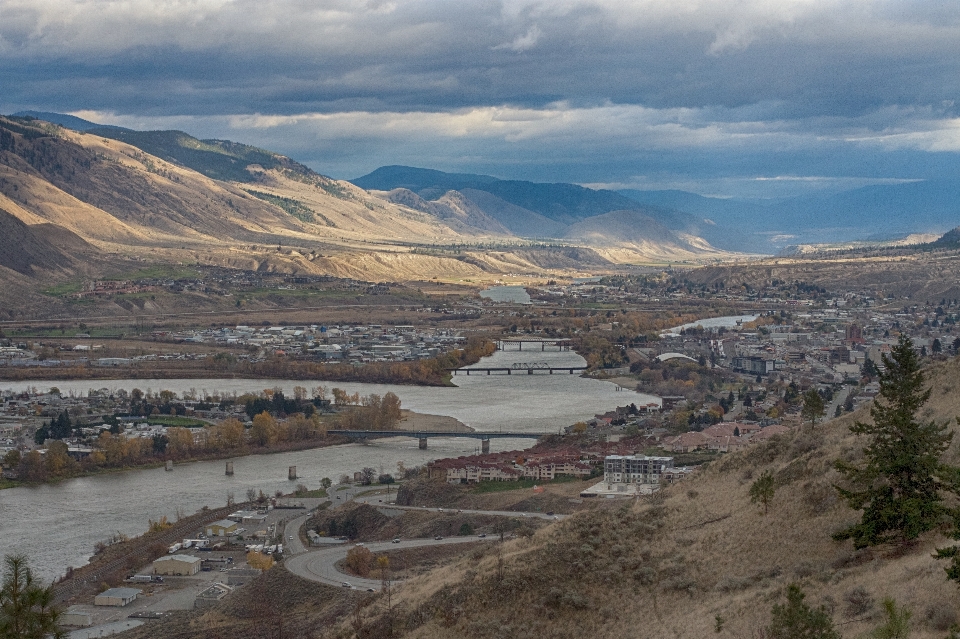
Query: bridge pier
pixel 229 470
pixel 485 446
pixel 529 371
pixel 423 443
pixel 292 473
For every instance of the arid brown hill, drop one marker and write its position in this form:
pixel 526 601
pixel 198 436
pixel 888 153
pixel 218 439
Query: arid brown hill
pixel 699 559
pixel 24 248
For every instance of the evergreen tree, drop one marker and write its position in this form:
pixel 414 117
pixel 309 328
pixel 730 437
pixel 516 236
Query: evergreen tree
pixel 763 489
pixel 900 486
pixel 797 620
pixel 26 607
pixel 869 369
pixel 42 435
pixel 813 408
pixel 61 427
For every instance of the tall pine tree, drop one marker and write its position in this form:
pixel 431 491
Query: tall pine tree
pixel 902 482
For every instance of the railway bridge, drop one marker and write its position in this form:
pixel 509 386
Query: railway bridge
pixel 423 436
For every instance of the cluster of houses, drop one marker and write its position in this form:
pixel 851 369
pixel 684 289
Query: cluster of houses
pixel 725 437
pixel 510 466
pixel 829 345
pixel 373 343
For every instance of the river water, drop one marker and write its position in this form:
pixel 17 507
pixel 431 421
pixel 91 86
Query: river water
pixel 728 321
pixel 515 294
pixel 57 525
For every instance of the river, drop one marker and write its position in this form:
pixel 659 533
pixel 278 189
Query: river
pixel 728 321
pixel 515 294
pixel 57 525
pixel 534 403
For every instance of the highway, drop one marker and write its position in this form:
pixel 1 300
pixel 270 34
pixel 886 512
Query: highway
pixel 320 565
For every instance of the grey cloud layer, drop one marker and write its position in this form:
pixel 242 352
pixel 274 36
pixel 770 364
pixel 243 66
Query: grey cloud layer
pixel 831 82
pixel 288 56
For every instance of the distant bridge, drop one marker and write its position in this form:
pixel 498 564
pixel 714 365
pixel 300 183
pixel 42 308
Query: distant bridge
pixel 529 367
pixel 423 435
pixel 563 343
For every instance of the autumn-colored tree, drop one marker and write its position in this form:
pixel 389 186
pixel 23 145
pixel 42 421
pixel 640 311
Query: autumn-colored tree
pixel 59 463
pixel 259 561
pixel 229 434
pixel 264 430
pixel 359 560
pixel 340 397
pixel 12 459
pixel 158 526
pixel 180 442
pixel 32 467
pixel 389 412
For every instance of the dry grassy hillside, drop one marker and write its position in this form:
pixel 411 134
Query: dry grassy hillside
pixel 669 567
pixel 131 205
pixel 923 276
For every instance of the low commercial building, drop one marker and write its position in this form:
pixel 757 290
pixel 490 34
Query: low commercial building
pixel 178 565
pixel 76 617
pixel 117 597
pixel 222 528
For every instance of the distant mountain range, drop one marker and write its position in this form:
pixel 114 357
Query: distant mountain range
pixel 539 210
pixel 871 213
pixel 682 222
pixel 878 212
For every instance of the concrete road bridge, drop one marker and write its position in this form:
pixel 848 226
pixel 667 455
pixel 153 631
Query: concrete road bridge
pixel 562 343
pixel 528 367
pixel 423 436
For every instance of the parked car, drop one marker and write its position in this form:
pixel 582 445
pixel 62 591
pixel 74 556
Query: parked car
pixel 482 535
pixel 346 584
pixel 438 538
pixel 396 540
pixel 550 513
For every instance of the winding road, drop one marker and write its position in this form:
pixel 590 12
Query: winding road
pixel 321 565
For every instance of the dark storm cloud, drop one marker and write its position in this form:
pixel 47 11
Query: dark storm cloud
pixel 612 91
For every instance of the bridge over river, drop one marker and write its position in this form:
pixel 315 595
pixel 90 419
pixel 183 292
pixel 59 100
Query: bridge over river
pixel 423 435
pixel 528 367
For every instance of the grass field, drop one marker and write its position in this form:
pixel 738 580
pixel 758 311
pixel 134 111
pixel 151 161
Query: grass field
pixel 484 487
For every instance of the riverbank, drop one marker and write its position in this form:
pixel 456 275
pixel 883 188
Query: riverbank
pixel 234 453
pixel 409 421
pixel 425 372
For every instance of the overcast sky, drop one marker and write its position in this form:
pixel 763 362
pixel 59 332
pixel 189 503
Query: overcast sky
pixel 731 98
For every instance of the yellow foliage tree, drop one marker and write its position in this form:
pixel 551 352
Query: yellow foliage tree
pixel 179 442
pixel 160 525
pixel 259 561
pixel 359 560
pixel 264 430
pixel 232 433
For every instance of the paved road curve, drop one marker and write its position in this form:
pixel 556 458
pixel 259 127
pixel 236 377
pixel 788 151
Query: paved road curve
pixel 320 565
